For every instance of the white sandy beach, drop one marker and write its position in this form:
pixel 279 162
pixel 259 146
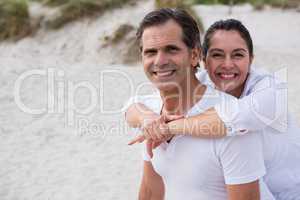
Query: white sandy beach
pixel 67 151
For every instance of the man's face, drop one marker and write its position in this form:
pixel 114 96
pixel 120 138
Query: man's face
pixel 166 59
pixel 228 61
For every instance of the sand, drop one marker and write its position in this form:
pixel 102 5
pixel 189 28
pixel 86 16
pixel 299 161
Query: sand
pixel 75 145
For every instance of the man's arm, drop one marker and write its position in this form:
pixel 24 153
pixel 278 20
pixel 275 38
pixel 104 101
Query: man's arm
pixel 247 191
pixel 152 186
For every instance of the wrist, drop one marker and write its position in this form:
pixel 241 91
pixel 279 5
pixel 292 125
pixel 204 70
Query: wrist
pixel 146 119
pixel 175 127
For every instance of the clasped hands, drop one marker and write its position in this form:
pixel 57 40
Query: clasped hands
pixel 155 131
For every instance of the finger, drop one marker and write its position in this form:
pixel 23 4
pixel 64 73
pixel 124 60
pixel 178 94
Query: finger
pixel 158 132
pixel 156 144
pixel 148 132
pixel 164 130
pixel 138 139
pixel 152 131
pixel 149 148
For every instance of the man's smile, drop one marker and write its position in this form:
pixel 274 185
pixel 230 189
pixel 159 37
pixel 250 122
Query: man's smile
pixel 164 73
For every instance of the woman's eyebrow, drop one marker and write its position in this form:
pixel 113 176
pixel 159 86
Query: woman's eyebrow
pixel 240 49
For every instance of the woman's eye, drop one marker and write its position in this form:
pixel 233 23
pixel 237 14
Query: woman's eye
pixel 238 55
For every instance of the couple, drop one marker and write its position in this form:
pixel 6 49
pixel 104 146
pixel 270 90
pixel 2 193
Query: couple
pixel 215 151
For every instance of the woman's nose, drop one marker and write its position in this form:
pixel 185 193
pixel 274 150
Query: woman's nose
pixel 228 63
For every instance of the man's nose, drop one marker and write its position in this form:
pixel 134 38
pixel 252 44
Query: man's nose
pixel 161 59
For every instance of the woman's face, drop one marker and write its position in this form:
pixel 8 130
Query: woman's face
pixel 228 61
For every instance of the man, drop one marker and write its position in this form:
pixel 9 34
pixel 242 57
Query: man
pixel 187 167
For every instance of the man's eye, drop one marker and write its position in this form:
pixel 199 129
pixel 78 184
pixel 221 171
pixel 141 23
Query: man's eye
pixel 172 50
pixel 217 55
pixel 149 53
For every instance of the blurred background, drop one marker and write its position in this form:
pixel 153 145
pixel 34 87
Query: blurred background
pixel 69 66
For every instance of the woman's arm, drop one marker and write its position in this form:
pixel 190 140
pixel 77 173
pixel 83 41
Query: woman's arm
pixel 207 124
pixel 152 186
pixel 265 105
pixel 138 114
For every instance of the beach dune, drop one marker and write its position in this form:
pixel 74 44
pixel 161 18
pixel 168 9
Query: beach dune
pixel 62 130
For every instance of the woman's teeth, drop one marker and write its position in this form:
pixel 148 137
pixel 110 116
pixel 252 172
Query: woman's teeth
pixel 227 76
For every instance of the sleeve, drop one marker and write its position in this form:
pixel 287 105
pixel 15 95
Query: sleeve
pixel 241 158
pixel 132 100
pixel 152 101
pixel 264 106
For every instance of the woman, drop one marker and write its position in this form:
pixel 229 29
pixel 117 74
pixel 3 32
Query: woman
pixel 229 70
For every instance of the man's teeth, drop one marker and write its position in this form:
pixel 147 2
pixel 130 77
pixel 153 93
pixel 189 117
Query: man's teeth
pixel 165 73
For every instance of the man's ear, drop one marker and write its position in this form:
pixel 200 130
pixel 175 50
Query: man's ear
pixel 196 56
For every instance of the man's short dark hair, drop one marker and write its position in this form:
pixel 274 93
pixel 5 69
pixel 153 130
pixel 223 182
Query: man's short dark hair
pixel 227 25
pixel 190 30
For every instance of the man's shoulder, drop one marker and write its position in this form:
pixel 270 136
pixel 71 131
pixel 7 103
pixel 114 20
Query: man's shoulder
pixel 152 101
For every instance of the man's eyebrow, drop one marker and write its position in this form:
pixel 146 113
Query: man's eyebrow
pixel 172 46
pixel 146 50
pixel 216 49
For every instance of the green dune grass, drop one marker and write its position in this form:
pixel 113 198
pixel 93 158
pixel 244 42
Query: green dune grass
pixel 181 4
pixel 14 19
pixel 275 3
pixel 75 9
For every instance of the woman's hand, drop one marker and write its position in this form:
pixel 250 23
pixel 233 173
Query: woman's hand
pixel 155 131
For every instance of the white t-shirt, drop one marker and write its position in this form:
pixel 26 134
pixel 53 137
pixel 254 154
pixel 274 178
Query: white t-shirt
pixel 263 103
pixel 194 168
pixel 281 137
pixel 282 160
pixel 263 106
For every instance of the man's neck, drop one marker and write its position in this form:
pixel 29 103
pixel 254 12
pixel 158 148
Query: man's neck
pixel 180 100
